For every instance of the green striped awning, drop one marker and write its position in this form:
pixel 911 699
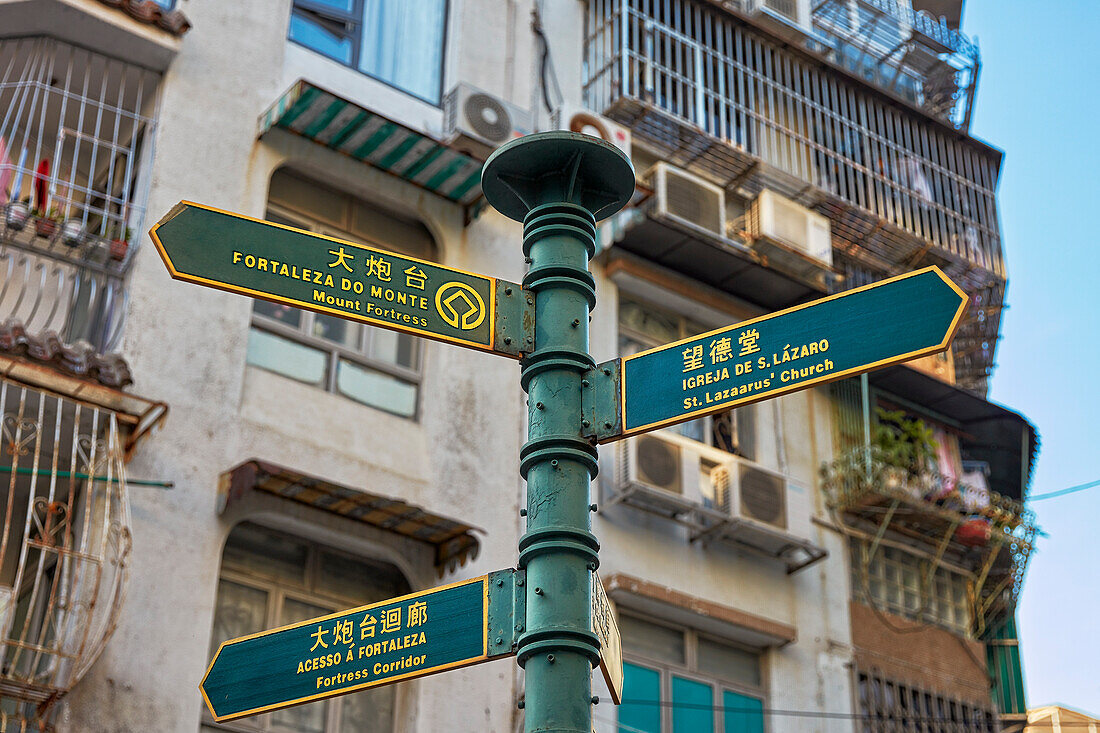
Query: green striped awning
pixel 371 138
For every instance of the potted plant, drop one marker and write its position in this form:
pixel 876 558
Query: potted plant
pixel 17 214
pixel 45 222
pixel 120 243
pixel 906 447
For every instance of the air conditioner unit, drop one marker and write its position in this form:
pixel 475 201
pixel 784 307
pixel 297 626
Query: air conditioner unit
pixel 688 199
pixel 781 17
pixel 477 123
pixel 774 218
pixel 763 496
pixel 578 119
pixel 674 469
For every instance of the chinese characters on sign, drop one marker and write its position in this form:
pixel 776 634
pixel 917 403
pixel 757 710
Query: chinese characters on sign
pixel 426 632
pixel 862 329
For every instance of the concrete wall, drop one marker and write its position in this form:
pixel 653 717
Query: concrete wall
pixel 187 344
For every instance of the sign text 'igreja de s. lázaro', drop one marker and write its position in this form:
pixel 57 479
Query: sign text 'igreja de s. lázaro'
pixel 853 332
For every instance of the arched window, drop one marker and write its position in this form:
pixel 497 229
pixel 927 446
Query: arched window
pixel 270 579
pixel 376 367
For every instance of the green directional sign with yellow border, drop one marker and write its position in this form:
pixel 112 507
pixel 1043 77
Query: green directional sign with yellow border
pixel 203 245
pixel 850 333
pixel 398 639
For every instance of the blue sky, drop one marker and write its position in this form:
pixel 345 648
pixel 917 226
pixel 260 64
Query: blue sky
pixel 1039 101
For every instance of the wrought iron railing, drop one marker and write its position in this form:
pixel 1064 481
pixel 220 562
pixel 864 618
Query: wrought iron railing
pixel 76 134
pixel 64 546
pixel 935 506
pixel 78 292
pixel 860 474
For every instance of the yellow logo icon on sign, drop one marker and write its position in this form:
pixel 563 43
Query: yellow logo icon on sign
pixel 460 305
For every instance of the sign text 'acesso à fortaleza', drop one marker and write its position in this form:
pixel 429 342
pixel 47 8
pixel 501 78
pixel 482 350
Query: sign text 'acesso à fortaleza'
pixel 401 638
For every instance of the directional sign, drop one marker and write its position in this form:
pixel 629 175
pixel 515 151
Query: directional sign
pixel 862 329
pixel 606 628
pixel 402 638
pixel 203 245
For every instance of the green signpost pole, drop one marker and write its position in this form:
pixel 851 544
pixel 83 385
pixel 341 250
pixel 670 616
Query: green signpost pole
pixel 558 184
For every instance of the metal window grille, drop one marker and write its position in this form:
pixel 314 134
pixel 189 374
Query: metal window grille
pixel 906 52
pixel 701 66
pixel 76 135
pixel 889 706
pixel 65 544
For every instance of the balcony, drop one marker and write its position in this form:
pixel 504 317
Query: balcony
pixel 945 474
pixel 76 133
pixel 704 91
pixel 66 543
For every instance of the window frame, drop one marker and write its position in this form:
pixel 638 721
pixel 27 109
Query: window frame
pixel 686 328
pixel 690 671
pixel 278 590
pixel 333 351
pixel 355 22
pixel 952 611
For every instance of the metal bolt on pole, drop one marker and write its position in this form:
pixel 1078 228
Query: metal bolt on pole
pixel 558 184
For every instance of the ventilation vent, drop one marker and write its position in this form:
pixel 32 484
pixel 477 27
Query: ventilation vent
pixel 763 496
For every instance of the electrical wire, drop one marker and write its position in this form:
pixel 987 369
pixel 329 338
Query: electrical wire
pixel 870 717
pixel 1063 492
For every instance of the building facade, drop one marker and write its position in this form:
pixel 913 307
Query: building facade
pixel 186 466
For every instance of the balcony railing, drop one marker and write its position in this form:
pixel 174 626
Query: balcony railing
pixel 943 513
pixel 704 91
pixel 76 132
pixel 908 53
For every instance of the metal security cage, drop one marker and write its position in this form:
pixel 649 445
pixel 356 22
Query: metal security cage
pixel 64 546
pixel 76 134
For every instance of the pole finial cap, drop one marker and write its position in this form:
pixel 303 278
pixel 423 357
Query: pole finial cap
pixel 558 166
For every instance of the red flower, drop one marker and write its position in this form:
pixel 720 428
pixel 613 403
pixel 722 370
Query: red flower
pixel 40 177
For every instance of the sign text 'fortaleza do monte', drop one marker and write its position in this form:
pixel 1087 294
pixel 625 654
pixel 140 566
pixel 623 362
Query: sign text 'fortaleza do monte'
pixel 862 329
pixel 203 245
pixel 398 639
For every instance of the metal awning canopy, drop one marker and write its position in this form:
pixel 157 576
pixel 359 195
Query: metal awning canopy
pixel 454 541
pixel 1005 440
pixel 136 415
pixel 371 138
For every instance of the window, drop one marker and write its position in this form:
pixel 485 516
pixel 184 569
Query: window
pixel 887 706
pixel 378 368
pixel 894 582
pixel 643 326
pixel 269 579
pixel 399 42
pixel 678 679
